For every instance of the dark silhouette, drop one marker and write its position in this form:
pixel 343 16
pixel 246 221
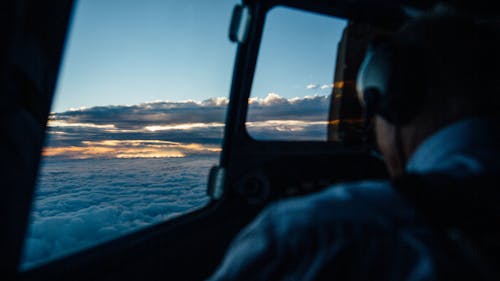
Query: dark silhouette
pixel 433 89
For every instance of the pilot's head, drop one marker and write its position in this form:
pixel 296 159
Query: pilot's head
pixel 435 70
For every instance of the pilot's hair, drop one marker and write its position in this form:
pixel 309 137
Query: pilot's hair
pixel 464 56
pixel 455 57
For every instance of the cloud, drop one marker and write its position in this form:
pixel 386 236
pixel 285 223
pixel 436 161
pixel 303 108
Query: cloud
pixel 186 126
pixel 320 87
pixel 274 107
pixel 81 133
pixel 137 116
pixel 311 86
pixel 129 149
pixel 278 118
pixel 295 130
pixel 85 133
pixel 62 123
pixel 177 115
pixel 80 203
pixel 272 99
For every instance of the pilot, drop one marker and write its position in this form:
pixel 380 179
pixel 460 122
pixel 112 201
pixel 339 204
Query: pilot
pixel 433 88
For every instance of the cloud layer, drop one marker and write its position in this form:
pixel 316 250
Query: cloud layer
pixel 80 203
pixel 110 170
pixel 178 129
pixel 279 118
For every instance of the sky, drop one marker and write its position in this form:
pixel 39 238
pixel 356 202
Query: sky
pixel 130 52
pixel 297 54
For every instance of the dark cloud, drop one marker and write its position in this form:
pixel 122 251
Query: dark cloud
pixel 274 107
pixel 293 130
pixel 137 116
pixel 273 117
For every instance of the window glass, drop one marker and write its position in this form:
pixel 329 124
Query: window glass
pixel 136 123
pixel 294 79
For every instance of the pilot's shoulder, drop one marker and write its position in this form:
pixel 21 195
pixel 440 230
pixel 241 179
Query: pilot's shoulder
pixel 364 202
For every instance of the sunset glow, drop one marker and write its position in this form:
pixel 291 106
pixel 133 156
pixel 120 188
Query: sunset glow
pixel 165 129
pixel 129 149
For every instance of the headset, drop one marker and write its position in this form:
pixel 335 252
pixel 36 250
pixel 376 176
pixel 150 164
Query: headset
pixel 394 80
pixel 417 66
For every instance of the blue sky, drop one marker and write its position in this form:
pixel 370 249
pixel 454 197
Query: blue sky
pixel 298 54
pixel 129 52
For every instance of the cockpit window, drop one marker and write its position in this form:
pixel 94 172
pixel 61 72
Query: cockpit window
pixel 136 124
pixel 294 78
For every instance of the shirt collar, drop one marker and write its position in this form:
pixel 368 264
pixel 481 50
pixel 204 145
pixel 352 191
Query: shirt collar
pixel 460 137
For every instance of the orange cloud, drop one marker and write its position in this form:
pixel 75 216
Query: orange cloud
pixel 129 149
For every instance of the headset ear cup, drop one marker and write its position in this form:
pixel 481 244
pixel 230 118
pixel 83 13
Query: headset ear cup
pixel 373 81
pixel 394 80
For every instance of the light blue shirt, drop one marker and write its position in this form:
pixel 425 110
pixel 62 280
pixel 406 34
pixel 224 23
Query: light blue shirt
pixel 363 230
